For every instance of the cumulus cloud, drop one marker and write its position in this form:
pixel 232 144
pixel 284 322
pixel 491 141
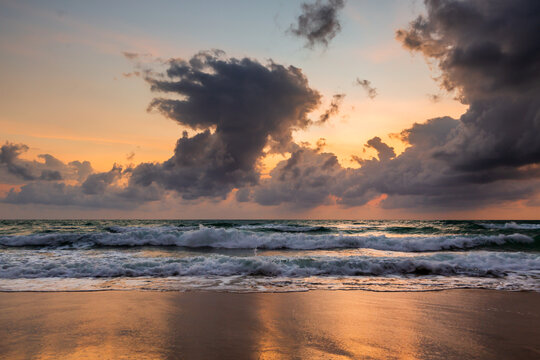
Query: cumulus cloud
pixel 371 92
pixel 239 107
pixel 90 190
pixel 319 22
pixel 307 179
pixel 15 170
pixel 50 181
pixel 9 160
pixel 487 53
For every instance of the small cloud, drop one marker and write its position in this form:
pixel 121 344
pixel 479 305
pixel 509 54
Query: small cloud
pixel 318 23
pixel 321 143
pixel 132 74
pixel 130 55
pixel 337 99
pixel 435 98
pixel 366 85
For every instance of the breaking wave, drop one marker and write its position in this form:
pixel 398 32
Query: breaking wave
pixel 219 238
pixel 512 225
pixel 119 264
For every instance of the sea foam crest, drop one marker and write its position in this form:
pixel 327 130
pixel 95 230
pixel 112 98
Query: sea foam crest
pixel 512 225
pixel 26 264
pixel 239 239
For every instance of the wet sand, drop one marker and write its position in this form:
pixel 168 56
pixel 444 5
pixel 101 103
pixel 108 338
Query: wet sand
pixel 454 324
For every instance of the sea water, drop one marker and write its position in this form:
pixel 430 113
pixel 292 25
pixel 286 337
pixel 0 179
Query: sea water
pixel 268 255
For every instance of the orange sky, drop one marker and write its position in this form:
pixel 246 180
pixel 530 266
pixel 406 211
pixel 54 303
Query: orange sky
pixel 63 92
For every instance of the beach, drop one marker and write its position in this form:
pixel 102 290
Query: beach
pixel 450 324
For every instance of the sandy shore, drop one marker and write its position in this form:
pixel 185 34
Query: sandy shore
pixel 455 324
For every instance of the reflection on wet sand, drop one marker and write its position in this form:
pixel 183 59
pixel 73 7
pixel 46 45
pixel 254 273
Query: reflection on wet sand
pixel 319 324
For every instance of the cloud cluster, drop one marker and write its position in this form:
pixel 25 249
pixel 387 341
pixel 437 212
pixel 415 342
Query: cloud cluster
pixel 53 182
pixel 239 110
pixel 488 54
pixel 305 180
pixel 319 22
pixel 15 170
pixel 239 107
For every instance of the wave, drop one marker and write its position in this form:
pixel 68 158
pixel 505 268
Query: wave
pixel 242 284
pixel 204 237
pixel 512 225
pixel 286 228
pixel 64 264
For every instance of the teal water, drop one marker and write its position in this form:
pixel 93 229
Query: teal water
pixel 268 255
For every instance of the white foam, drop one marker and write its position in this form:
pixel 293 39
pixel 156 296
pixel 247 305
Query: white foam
pixel 81 264
pixel 244 284
pixel 241 239
pixel 512 225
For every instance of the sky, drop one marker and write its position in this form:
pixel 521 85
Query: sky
pixel 270 109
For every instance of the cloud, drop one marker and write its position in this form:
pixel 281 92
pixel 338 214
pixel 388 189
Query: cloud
pixel 240 110
pixel 15 170
pixel 434 98
pixel 131 55
pixel 319 22
pixel 488 55
pixel 50 181
pixel 239 107
pixel 366 85
pixel 91 190
pixel 333 109
pixel 305 180
pixel 9 160
pixel 62 194
pixel 384 152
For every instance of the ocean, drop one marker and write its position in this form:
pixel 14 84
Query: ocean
pixel 268 255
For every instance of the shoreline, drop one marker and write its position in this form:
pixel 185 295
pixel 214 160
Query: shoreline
pixel 206 291
pixel 341 324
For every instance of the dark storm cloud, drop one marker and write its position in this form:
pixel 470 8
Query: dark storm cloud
pixel 239 109
pixel 371 92
pixel 319 22
pixel 240 106
pixel 489 55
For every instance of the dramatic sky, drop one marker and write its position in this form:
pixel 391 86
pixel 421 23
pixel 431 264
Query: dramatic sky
pixel 270 109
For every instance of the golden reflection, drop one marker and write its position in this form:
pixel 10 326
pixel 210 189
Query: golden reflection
pixel 310 325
